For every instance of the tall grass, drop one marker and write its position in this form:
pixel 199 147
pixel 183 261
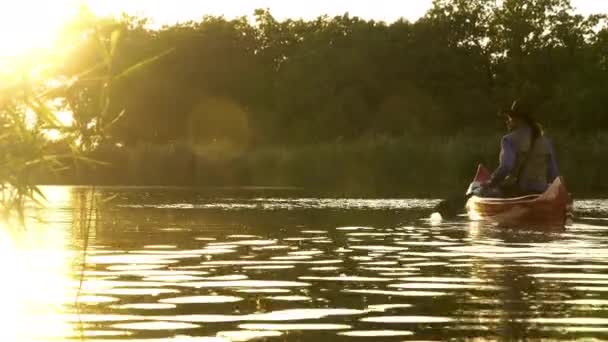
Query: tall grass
pixel 405 166
pixel 33 140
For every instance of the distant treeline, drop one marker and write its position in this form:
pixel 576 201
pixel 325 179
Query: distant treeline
pixel 424 167
pixel 343 78
pixel 238 86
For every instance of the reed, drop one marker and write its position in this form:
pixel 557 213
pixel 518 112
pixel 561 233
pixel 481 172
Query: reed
pixel 405 166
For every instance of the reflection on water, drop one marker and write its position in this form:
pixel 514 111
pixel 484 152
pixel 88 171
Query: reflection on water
pixel 169 263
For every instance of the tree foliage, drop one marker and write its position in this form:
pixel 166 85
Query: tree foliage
pixel 263 83
pixel 33 138
pixel 343 78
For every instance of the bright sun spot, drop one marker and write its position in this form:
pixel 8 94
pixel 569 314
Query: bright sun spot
pixel 36 283
pixel 64 118
pixel 28 26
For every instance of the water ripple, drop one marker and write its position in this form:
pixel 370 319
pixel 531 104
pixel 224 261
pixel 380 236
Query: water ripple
pixel 241 269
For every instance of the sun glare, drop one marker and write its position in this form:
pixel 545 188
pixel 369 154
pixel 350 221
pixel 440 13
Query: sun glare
pixel 29 26
pixel 36 282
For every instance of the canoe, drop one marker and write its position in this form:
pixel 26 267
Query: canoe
pixel 554 206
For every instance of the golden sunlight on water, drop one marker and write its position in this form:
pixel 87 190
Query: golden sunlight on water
pixel 36 280
pixel 218 270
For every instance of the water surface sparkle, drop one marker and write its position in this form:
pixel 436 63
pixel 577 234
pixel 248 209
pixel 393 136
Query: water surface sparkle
pixel 177 264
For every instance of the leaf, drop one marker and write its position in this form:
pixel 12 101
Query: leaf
pixel 44 113
pixel 104 51
pixel 90 70
pixel 92 161
pixel 114 40
pixel 60 169
pixel 109 198
pixel 38 192
pixel 37 161
pixel 120 115
pixel 54 159
pixel 137 67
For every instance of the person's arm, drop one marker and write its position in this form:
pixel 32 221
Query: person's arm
pixel 552 170
pixel 507 162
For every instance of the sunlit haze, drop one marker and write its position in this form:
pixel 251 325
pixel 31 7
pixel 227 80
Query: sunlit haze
pixel 25 30
pixel 388 10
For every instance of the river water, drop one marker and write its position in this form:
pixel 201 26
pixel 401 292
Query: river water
pixel 267 265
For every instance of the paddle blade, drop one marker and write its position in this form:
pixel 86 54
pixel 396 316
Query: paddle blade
pixel 451 207
pixel 481 176
pixel 473 189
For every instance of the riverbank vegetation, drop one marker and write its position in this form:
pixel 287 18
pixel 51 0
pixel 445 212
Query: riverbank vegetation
pixel 344 104
pixel 404 166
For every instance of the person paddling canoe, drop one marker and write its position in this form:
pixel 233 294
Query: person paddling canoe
pixel 527 160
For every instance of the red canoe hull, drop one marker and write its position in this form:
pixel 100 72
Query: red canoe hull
pixel 551 207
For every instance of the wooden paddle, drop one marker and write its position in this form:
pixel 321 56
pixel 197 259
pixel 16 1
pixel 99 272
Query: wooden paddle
pixel 452 206
pixel 455 205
